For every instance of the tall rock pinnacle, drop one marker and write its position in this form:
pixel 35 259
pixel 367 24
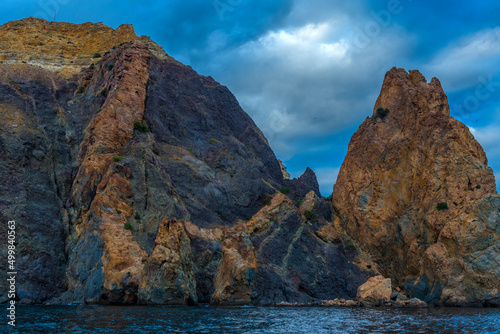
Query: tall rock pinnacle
pixel 416 192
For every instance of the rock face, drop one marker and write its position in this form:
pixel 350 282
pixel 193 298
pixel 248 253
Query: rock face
pixel 137 181
pixel 375 292
pixel 59 45
pixel 294 264
pixel 134 180
pixel 168 276
pixel 415 191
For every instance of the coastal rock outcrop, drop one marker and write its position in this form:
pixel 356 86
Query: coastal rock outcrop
pixel 417 194
pixel 136 180
pixel 168 276
pixel 269 259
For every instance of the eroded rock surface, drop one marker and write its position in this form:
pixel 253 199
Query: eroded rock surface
pixel 416 192
pixel 137 181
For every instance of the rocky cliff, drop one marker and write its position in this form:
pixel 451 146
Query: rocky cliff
pixel 416 192
pixel 135 180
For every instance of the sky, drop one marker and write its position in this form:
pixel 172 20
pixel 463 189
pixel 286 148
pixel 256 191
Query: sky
pixel 309 71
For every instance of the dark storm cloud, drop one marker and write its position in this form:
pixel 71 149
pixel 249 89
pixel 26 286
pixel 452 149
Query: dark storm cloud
pixel 191 29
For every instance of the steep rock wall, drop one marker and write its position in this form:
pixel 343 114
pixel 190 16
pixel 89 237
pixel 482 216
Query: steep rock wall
pixel 416 192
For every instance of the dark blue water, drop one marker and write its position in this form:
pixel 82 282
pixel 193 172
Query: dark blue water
pixel 316 320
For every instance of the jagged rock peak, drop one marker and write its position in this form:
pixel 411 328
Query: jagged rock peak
pixel 404 91
pixel 299 187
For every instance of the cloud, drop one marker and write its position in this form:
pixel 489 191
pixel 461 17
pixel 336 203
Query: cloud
pixel 488 136
pixel 459 63
pixel 307 80
pixel 195 31
pixel 294 46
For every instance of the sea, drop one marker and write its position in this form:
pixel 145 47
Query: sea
pixel 204 319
